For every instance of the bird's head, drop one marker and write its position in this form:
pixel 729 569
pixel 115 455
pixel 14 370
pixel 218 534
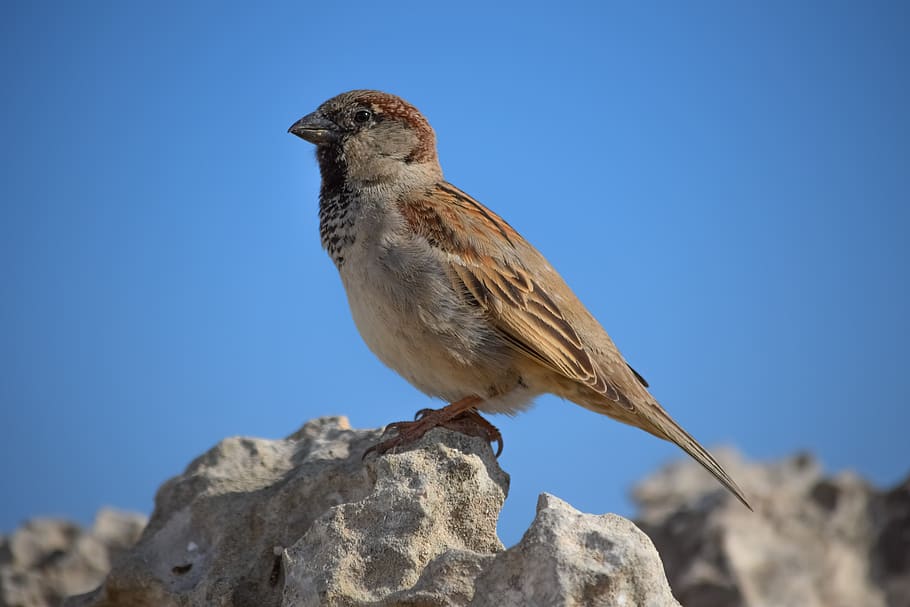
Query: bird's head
pixel 371 138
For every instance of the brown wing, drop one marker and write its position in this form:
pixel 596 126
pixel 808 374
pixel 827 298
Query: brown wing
pixel 485 255
pixel 483 251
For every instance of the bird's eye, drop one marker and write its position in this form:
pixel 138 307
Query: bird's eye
pixel 362 116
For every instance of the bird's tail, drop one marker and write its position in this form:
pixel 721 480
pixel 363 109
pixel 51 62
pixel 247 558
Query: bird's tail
pixel 659 423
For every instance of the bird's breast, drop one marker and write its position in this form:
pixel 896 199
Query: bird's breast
pixel 415 320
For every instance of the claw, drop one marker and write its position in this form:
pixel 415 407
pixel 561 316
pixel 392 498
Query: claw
pixel 474 424
pixel 406 433
pixel 379 448
pixel 363 457
pixel 460 416
pixel 382 447
pixel 374 449
pixel 498 439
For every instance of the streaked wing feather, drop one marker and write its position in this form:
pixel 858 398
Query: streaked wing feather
pixel 526 316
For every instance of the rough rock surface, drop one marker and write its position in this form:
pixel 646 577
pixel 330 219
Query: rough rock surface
pixel 811 542
pixel 305 522
pixel 570 558
pixel 46 560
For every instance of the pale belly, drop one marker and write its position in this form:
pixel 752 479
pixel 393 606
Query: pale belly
pixel 409 315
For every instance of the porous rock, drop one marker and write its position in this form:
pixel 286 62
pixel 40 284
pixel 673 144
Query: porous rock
pixel 568 558
pixel 304 522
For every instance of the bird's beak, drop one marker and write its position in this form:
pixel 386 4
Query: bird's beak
pixel 315 129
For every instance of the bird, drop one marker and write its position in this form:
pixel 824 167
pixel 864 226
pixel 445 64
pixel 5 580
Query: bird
pixel 449 295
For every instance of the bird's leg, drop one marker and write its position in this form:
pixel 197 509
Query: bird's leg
pixel 460 416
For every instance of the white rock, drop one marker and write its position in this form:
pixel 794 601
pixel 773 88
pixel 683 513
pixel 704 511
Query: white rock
pixel 305 522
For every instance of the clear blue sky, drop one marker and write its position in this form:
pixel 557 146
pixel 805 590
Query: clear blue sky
pixel 724 184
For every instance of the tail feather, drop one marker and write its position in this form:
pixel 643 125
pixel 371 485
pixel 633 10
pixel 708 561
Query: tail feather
pixel 665 427
pixel 648 415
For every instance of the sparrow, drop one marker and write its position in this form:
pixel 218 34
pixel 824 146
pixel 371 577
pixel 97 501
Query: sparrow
pixel 449 295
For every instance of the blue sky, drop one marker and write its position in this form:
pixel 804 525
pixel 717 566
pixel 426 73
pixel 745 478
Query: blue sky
pixel 725 185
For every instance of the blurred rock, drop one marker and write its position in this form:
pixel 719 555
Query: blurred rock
pixel 46 560
pixel 811 542
pixel 305 522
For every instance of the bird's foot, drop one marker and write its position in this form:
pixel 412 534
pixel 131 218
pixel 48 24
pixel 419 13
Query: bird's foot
pixel 472 423
pixel 459 416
